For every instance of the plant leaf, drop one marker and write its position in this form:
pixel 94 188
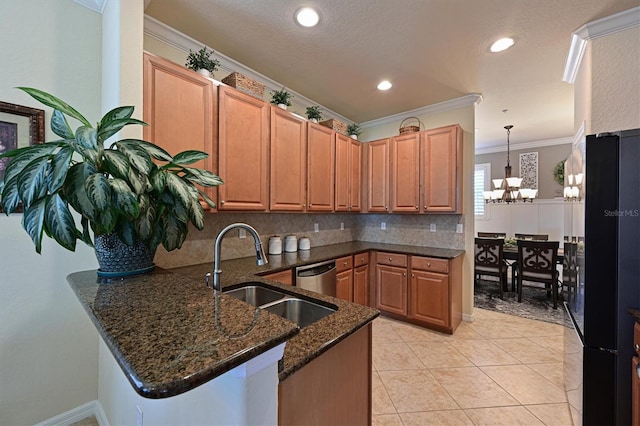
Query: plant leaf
pixel 104 222
pixel 138 157
pixel 60 165
pixel 32 182
pixel 206 198
pixel 75 191
pixel 98 191
pixel 175 233
pixel 107 129
pixel 159 180
pixel 55 103
pixel 138 181
pixel 116 163
pixel 154 150
pixel 33 221
pixel 86 235
pixel 126 232
pixel 189 157
pixel 197 214
pixel 118 113
pixel 146 220
pixel 25 156
pixel 202 177
pixel 179 189
pixel 123 199
pixel 87 137
pixel 59 222
pixel 60 126
pixel 9 197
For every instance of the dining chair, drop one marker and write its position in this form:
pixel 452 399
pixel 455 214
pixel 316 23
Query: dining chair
pixel 492 234
pixel 489 260
pixel 537 264
pixel 570 269
pixel 534 237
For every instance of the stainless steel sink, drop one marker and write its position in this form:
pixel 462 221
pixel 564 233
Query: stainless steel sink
pixel 255 295
pixel 302 312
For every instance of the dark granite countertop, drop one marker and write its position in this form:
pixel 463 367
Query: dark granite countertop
pixel 168 337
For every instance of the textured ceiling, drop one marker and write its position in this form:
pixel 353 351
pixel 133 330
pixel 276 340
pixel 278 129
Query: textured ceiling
pixel 431 50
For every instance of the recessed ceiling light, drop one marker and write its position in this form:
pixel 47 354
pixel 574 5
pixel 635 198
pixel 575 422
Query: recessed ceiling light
pixel 307 17
pixel 384 85
pixel 502 44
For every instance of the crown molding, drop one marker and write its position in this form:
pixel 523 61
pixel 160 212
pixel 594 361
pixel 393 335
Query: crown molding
pixel 602 27
pixel 524 145
pixel 95 5
pixel 466 100
pixel 170 36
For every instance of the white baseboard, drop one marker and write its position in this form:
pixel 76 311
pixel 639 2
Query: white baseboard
pixel 468 318
pixel 93 408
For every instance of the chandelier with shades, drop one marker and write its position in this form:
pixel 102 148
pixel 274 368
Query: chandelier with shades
pixel 508 190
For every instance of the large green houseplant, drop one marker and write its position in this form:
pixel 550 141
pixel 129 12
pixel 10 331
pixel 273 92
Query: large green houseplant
pixel 131 191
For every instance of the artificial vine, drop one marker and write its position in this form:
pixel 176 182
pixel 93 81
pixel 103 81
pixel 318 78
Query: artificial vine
pixel 558 173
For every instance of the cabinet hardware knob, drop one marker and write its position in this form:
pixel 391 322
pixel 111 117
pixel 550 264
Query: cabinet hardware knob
pixel 222 202
pixel 413 275
pixel 345 263
pixel 416 207
pixel 425 207
pixel 404 274
pixel 428 264
pixel 636 347
pixel 386 207
pixel 390 260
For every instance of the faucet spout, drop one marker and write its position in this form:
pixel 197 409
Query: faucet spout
pixel 261 259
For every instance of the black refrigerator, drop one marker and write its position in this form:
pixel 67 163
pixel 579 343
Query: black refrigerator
pixel 609 283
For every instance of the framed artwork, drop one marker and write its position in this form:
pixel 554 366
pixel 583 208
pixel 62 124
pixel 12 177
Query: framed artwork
pixel 529 170
pixel 19 126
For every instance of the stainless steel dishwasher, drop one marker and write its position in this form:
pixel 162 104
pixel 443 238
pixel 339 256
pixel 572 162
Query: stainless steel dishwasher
pixel 319 277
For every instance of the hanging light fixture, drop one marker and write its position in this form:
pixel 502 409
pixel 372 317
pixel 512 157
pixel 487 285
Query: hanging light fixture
pixel 573 180
pixel 508 189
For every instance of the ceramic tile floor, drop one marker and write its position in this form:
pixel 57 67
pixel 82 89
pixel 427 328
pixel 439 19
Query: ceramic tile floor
pixel 498 370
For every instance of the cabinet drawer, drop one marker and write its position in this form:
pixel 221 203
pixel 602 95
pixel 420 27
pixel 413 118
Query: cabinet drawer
pixel 344 263
pixel 360 259
pixel 430 264
pixel 393 259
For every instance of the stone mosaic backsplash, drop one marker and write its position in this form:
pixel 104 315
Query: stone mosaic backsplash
pixel 400 229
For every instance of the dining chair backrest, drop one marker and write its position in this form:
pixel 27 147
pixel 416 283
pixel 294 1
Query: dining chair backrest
pixel 570 256
pixel 537 260
pixel 489 254
pixel 534 237
pixel 492 234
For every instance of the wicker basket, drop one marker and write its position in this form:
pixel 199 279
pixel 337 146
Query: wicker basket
pixel 336 125
pixel 404 129
pixel 244 84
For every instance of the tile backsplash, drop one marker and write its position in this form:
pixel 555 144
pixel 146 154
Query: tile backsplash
pixel 400 229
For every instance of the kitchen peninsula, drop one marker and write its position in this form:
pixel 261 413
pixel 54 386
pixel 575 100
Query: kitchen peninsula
pixel 169 337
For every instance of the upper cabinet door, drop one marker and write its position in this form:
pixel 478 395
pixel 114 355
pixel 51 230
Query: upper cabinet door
pixel 442 170
pixel 320 168
pixel 243 151
pixel 355 182
pixel 405 173
pixel 378 176
pixel 180 110
pixel 288 161
pixel 343 172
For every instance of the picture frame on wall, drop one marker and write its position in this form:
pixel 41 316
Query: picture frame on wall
pixel 19 126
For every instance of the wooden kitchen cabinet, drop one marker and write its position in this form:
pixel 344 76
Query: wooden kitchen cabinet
pixel 180 107
pixel 635 378
pixel 429 291
pixel 333 389
pixel 284 277
pixel 391 283
pixel 288 161
pixel 404 178
pixel 243 151
pixel 348 162
pixel 378 176
pixel 344 278
pixel 361 278
pixel 442 170
pixel 320 168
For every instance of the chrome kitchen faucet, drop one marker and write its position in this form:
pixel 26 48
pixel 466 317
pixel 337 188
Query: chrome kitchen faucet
pixel 261 259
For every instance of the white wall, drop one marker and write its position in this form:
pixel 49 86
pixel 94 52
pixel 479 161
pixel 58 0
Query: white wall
pixel 48 346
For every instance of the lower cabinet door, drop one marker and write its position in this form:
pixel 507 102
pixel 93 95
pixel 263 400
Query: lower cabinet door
pixel 361 285
pixel 429 298
pixel 392 289
pixel 344 285
pixel 635 392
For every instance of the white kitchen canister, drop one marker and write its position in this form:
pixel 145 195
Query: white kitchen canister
pixel 275 245
pixel 290 243
pixel 304 243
